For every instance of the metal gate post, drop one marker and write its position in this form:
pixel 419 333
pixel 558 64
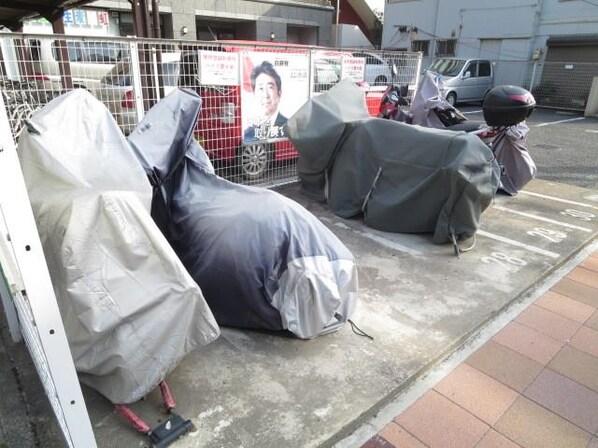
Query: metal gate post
pixel 136 81
pixel 36 304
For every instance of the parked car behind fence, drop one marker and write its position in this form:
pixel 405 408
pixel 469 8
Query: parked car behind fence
pixel 89 60
pixel 462 80
pixel 116 89
pixel 377 69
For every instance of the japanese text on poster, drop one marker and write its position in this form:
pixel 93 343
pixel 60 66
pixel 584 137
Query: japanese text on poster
pixel 218 68
pixel 353 68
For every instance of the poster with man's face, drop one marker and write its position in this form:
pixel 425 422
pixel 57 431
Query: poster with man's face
pixel 274 86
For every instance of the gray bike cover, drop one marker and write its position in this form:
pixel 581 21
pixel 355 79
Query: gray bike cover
pixel 262 260
pixel 403 178
pixel 426 100
pixel 517 166
pixel 130 309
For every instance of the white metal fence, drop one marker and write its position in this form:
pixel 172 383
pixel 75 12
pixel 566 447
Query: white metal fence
pixel 243 141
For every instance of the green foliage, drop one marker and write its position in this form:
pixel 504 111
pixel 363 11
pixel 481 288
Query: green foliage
pixel 376 32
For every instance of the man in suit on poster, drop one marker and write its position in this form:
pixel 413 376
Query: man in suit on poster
pixel 267 89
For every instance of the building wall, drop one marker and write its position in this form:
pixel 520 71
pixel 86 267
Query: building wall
pixel 259 18
pixel 349 16
pixel 522 26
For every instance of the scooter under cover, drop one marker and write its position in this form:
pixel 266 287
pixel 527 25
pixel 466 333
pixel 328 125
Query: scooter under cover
pixel 262 260
pixel 400 177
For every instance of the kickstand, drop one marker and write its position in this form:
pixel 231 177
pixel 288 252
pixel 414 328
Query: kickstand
pixel 166 433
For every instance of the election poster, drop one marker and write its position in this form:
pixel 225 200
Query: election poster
pixel 353 68
pixel 218 68
pixel 274 87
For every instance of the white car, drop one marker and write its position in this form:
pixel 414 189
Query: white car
pixel 116 89
pixel 377 69
pixel 89 62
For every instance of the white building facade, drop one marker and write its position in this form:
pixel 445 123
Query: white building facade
pixel 516 34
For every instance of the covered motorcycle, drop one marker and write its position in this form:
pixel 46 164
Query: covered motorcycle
pixel 130 309
pixel 402 178
pixel 262 260
pixel 517 165
pixel 427 101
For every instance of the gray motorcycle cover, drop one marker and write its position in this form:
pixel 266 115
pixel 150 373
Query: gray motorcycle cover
pixel 517 166
pixel 426 100
pixel 130 309
pixel 403 178
pixel 262 260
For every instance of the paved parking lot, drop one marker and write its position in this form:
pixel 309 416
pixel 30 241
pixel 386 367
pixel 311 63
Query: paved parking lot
pixel 417 300
pixel 563 144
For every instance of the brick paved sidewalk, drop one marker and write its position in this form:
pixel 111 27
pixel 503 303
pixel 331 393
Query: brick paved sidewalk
pixel 534 384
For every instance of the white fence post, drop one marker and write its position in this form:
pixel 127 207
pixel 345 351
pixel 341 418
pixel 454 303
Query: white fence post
pixel 41 324
pixel 136 80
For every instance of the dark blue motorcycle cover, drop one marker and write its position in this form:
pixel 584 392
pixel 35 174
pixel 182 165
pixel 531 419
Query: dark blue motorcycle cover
pixel 261 260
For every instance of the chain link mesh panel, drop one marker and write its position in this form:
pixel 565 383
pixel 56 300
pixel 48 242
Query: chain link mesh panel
pixel 241 125
pixel 564 85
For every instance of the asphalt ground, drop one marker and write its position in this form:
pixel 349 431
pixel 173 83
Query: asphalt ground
pixel 564 144
pixel 418 301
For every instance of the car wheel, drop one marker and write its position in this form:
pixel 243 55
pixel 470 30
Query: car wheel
pixel 380 80
pixel 254 159
pixel 451 98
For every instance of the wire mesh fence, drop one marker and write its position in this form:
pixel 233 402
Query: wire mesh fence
pixel 558 84
pixel 248 90
pixel 563 84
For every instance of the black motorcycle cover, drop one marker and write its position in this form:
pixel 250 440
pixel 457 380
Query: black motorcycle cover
pixel 262 260
pixel 403 178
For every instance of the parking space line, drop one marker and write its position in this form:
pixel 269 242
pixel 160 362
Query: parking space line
pixel 553 198
pixel 372 236
pixel 541 218
pixel 528 247
pixel 560 121
pixel 388 243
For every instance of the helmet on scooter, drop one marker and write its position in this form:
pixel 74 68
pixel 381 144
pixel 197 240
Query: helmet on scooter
pixel 507 105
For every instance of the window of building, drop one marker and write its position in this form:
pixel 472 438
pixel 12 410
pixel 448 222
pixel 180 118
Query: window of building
pixel 420 45
pixel 446 47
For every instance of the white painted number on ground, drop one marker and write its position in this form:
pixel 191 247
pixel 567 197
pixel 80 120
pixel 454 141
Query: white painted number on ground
pixel 582 216
pixel 553 236
pixel 503 259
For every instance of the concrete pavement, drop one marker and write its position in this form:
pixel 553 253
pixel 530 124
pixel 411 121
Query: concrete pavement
pixel 418 301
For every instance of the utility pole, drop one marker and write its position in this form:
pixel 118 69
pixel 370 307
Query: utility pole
pixel 337 13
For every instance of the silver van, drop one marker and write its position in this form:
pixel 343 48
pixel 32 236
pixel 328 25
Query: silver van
pixel 90 60
pixel 463 80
